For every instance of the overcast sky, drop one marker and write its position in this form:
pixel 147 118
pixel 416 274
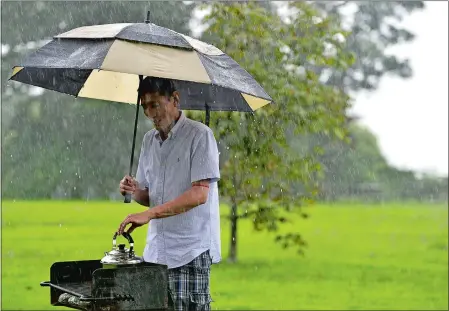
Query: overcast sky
pixel 410 117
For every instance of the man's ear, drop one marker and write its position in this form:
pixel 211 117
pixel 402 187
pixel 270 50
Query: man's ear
pixel 176 98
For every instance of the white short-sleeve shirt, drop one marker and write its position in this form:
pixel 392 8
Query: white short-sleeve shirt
pixel 168 169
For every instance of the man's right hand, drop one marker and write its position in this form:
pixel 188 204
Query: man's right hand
pixel 128 185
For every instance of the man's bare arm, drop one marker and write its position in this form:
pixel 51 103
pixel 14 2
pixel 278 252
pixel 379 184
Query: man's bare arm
pixel 191 198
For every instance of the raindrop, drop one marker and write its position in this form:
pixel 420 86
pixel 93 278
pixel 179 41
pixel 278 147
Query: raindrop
pixel 60 171
pixel 62 25
pixel 60 225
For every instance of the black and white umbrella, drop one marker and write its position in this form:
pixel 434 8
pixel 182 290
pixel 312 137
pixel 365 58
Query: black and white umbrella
pixel 104 62
pixel 107 62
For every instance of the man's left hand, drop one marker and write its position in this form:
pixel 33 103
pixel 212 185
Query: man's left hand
pixel 136 220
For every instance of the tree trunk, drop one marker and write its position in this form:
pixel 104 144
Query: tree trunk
pixel 233 246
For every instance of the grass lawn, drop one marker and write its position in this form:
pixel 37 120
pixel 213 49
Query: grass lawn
pixel 372 257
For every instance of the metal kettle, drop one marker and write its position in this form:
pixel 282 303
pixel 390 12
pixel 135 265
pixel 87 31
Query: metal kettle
pixel 120 256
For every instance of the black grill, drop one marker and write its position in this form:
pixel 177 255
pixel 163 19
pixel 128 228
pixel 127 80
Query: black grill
pixel 86 285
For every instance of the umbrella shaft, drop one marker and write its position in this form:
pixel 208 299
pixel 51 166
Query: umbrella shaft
pixel 207 115
pixel 134 138
pixel 131 160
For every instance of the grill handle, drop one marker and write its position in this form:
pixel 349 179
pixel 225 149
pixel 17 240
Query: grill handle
pixel 65 290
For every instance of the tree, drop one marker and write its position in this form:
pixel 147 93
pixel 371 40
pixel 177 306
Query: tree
pixel 261 177
pixel 350 170
pixel 373 29
pixel 359 171
pixel 74 149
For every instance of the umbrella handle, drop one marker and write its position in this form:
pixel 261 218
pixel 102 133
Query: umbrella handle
pixel 128 197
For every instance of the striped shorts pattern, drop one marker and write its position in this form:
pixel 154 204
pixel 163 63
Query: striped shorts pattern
pixel 189 285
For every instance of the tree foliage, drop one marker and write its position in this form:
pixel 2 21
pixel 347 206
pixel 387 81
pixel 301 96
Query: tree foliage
pixel 373 28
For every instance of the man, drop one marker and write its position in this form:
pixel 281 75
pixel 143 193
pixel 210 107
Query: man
pixel 177 178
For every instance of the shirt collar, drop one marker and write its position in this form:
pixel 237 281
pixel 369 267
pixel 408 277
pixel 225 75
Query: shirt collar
pixel 174 130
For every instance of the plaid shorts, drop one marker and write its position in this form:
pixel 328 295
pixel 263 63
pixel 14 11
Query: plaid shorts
pixel 189 285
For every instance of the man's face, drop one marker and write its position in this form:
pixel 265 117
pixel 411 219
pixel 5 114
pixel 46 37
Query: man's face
pixel 162 110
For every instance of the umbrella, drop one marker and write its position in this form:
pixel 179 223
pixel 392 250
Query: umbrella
pixel 108 61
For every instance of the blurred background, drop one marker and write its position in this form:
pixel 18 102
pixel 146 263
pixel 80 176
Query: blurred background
pixel 333 198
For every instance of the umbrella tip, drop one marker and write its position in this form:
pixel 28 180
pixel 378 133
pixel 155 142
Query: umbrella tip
pixel 147 21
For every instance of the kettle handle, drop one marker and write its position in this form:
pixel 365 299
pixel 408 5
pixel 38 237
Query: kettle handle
pixel 130 241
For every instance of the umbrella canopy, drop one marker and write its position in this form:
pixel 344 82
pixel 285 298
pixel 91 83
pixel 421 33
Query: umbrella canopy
pixel 105 61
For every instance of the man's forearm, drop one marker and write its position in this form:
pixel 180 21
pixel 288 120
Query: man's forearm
pixel 191 198
pixel 142 197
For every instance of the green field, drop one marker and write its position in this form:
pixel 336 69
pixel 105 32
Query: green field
pixel 359 257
